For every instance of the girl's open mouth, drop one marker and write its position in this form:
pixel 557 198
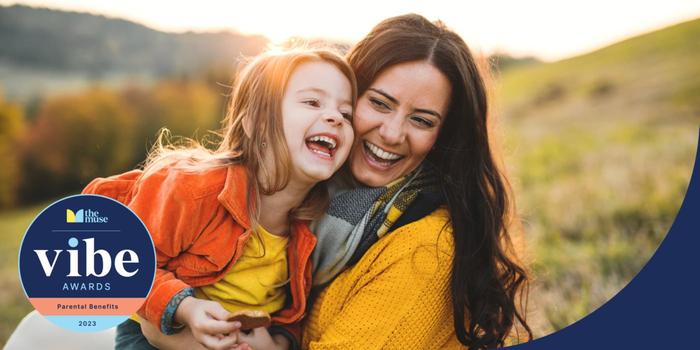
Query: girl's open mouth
pixel 323 145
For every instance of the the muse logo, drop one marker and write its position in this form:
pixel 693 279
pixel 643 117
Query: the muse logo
pixel 85 216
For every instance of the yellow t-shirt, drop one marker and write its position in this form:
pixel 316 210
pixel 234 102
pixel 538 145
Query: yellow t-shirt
pixel 258 278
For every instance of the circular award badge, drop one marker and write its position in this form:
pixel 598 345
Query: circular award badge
pixel 87 263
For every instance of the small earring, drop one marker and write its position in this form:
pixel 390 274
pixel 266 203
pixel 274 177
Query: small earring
pixel 263 144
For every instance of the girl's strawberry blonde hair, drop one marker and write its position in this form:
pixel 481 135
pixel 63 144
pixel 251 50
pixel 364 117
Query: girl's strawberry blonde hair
pixel 252 130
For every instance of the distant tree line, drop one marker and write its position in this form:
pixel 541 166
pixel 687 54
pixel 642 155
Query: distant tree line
pixel 74 138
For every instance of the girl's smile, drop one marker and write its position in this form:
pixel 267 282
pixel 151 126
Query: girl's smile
pixel 316 113
pixel 324 145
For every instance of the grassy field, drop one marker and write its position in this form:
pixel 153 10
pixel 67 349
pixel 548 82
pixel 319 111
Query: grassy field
pixel 13 302
pixel 600 150
pixel 596 204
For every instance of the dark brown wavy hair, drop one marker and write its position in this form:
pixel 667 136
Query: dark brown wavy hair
pixel 487 282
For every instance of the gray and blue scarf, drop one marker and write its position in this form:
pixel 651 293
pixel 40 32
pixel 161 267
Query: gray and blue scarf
pixel 358 216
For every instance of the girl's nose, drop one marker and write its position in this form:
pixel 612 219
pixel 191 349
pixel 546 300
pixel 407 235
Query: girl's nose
pixel 333 118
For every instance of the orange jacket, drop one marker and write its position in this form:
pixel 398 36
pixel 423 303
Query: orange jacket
pixel 199 224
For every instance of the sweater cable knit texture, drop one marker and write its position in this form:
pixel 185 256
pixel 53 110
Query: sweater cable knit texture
pixel 396 297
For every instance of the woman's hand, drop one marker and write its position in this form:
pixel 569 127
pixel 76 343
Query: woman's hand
pixel 260 339
pixel 207 322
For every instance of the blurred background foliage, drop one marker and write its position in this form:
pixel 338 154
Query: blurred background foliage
pixel 599 148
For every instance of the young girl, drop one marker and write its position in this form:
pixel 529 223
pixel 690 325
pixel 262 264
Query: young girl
pixel 230 225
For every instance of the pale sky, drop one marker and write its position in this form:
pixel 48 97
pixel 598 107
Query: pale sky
pixel 550 30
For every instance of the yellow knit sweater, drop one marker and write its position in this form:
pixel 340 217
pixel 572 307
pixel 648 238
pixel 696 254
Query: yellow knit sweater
pixel 396 297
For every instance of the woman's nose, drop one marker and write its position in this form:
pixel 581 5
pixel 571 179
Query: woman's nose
pixel 392 130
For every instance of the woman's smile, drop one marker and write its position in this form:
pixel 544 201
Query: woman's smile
pixel 378 157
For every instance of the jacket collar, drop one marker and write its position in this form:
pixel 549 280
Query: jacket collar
pixel 234 196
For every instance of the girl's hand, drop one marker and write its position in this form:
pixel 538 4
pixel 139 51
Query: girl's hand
pixel 207 320
pixel 260 339
pixel 180 341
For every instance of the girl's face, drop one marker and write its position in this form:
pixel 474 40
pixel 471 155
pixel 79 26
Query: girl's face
pixel 397 121
pixel 316 114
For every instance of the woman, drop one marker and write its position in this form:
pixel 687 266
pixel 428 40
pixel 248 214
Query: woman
pixel 441 270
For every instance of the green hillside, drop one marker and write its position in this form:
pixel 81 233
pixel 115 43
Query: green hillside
pixel 642 78
pixel 600 149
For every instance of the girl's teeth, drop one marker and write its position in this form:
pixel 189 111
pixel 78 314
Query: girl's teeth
pixel 320 152
pixel 326 139
pixel 380 153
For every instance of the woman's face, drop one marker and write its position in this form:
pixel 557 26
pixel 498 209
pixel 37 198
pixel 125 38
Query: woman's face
pixel 397 121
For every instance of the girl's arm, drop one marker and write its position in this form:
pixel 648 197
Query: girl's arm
pixel 170 213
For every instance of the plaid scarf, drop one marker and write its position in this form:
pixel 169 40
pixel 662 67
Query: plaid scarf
pixel 357 217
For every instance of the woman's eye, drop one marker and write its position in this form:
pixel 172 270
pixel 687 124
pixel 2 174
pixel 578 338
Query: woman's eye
pixel 312 103
pixel 379 104
pixel 423 122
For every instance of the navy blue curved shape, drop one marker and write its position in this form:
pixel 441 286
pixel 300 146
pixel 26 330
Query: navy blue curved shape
pixel 660 307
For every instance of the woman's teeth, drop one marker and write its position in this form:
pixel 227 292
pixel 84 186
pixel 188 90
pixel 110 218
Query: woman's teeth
pixel 380 153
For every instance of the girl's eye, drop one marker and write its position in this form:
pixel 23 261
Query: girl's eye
pixel 423 122
pixel 312 102
pixel 379 104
